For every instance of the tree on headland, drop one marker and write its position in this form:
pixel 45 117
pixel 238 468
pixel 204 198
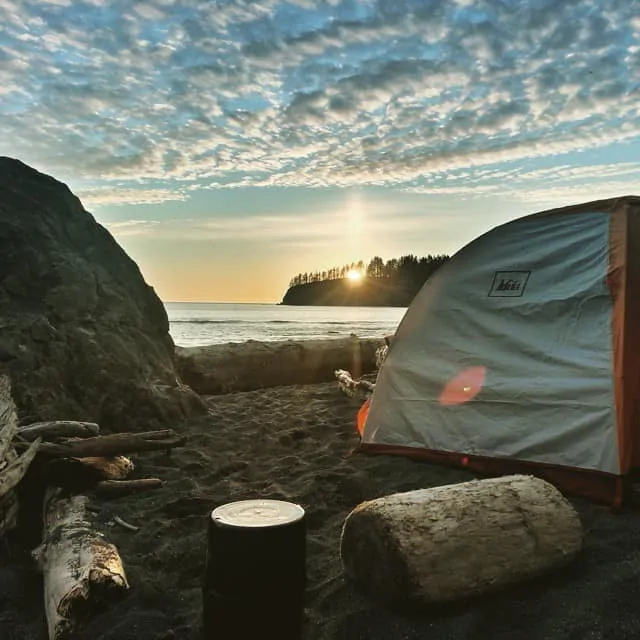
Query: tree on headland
pixel 407 268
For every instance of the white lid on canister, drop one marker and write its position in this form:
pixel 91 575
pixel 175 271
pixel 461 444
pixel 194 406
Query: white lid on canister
pixel 257 513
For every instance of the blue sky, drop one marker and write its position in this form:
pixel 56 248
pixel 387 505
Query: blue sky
pixel 229 145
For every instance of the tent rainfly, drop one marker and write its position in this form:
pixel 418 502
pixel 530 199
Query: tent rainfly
pixel 522 354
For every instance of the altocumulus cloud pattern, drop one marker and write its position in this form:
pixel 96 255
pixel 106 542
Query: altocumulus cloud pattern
pixel 428 96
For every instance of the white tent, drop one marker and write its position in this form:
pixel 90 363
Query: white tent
pixel 522 352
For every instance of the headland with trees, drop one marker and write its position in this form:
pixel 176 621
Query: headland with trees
pixel 393 283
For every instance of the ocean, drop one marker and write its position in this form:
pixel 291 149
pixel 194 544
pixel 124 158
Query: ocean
pixel 201 323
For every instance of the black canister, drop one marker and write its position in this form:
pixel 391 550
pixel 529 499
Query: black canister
pixel 255 573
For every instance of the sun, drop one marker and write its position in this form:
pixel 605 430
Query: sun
pixel 354 275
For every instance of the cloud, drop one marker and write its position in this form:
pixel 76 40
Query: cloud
pixel 114 196
pixel 553 186
pixel 129 228
pixel 357 217
pixel 379 92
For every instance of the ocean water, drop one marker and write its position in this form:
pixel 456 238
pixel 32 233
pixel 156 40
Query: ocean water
pixel 201 323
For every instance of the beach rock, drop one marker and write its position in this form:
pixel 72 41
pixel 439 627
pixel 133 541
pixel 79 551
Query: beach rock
pixel 81 333
pixel 456 541
pixel 227 368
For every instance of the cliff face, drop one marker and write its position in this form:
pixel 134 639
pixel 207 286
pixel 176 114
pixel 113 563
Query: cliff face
pixel 82 335
pixel 369 292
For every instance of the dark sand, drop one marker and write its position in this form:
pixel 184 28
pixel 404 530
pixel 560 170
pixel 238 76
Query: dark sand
pixel 290 443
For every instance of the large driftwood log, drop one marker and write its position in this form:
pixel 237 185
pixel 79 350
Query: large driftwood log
pixel 114 444
pixel 451 542
pixel 118 488
pixel 82 571
pixel 58 429
pixel 228 368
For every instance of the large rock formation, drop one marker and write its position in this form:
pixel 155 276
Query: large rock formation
pixel 82 335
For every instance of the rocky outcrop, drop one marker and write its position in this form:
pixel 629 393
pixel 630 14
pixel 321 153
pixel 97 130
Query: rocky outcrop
pixel 82 335
pixel 227 368
pixel 368 292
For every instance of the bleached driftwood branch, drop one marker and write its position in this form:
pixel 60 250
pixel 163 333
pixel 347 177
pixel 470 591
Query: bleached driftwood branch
pixel 82 571
pixel 125 525
pixel 58 429
pixel 350 386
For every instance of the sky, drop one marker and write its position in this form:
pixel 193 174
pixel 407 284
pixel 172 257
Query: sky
pixel 229 145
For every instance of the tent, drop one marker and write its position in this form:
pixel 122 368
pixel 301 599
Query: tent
pixel 522 354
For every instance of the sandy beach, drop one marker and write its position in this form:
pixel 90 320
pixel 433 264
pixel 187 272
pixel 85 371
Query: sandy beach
pixel 293 443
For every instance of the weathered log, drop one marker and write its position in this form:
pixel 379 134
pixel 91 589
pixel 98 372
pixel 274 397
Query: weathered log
pixel 83 572
pixel 228 368
pixel 114 444
pixel 58 429
pixel 118 488
pixel 456 541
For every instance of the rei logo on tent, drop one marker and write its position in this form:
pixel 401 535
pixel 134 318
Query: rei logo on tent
pixel 509 284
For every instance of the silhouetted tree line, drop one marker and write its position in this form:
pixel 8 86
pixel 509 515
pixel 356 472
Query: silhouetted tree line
pixel 406 268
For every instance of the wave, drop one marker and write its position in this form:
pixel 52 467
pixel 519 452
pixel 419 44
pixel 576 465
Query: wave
pixel 318 323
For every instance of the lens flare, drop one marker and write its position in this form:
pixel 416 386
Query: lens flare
pixel 464 387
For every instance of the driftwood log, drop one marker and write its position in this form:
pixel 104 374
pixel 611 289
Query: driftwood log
pixel 118 488
pixel 12 466
pixel 114 444
pixel 58 429
pixel 456 541
pixel 83 572
pixel 228 368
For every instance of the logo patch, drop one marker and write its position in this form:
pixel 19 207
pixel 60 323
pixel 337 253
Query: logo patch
pixel 509 284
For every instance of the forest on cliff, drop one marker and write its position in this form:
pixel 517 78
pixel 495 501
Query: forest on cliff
pixel 377 283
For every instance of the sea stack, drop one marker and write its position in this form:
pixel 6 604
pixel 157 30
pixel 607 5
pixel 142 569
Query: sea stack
pixel 82 336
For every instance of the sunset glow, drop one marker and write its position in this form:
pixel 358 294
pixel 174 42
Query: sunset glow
pixel 229 145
